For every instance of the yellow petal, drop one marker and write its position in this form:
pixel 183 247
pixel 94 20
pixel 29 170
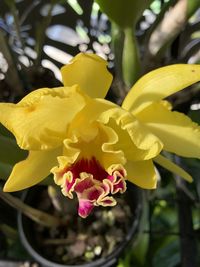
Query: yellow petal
pixel 134 139
pixel 177 132
pixel 159 84
pixel 111 153
pixel 142 173
pixel 32 170
pixel 40 120
pixel 172 167
pixel 98 142
pixel 90 73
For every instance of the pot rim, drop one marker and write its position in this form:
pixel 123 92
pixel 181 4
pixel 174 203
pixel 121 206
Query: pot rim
pixel 107 261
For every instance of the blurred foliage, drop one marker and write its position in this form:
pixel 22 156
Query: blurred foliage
pixel 37 37
pixel 50 32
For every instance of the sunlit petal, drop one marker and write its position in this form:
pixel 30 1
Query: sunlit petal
pixel 90 73
pixel 177 132
pixel 40 120
pixel 31 170
pixel 134 139
pixel 159 84
pixel 142 173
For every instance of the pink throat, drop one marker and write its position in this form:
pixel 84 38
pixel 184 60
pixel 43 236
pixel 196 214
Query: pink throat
pixel 91 166
pixel 93 185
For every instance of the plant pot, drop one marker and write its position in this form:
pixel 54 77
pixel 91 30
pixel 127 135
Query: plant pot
pixel 28 237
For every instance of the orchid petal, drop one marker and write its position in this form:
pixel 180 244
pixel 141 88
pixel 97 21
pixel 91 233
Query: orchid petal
pixel 172 167
pixel 177 131
pixel 32 170
pixel 40 120
pixel 142 173
pixel 97 140
pixel 159 84
pixel 134 139
pixel 90 73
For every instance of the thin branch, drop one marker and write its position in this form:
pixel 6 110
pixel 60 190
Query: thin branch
pixel 158 19
pixel 12 75
pixel 34 214
pixel 170 26
pixel 187 235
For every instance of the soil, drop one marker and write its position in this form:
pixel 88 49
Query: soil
pixel 80 240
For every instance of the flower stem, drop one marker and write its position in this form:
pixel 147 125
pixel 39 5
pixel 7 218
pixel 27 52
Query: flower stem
pixel 34 214
pixel 117 46
pixel 40 34
pixel 188 243
pixel 13 9
pixel 130 58
pixel 12 75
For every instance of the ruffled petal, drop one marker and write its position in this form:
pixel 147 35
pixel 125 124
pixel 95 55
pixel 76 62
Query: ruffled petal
pixel 142 173
pixel 90 73
pixel 133 138
pixel 159 84
pixel 177 132
pixel 32 170
pixel 101 146
pixel 172 167
pixel 136 141
pixel 40 120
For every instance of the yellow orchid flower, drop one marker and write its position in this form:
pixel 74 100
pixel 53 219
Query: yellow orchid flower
pixel 92 145
pixel 178 133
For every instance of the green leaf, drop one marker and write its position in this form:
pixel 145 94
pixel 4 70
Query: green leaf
pixel 195 115
pixel 8 231
pixel 168 255
pixel 10 153
pixel 5 170
pixel 125 13
pixel 5 132
pixel 142 243
pixel 193 5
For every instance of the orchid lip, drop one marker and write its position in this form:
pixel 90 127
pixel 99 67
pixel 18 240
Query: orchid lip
pixel 93 185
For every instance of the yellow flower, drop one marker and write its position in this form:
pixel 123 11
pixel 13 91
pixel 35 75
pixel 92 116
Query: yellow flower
pixel 92 145
pixel 178 133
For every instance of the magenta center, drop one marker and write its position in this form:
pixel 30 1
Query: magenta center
pixel 92 184
pixel 91 166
